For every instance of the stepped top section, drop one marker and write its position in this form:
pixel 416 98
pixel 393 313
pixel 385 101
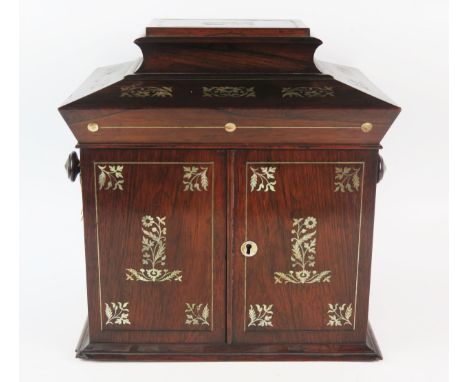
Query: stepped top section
pixel 226 28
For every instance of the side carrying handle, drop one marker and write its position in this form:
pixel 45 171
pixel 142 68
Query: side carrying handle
pixel 381 168
pixel 72 165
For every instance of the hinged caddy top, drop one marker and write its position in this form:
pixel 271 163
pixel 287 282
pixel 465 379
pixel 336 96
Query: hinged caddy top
pixel 228 83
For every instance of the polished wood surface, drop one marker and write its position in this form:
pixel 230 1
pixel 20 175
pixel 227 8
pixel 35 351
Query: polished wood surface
pixel 304 187
pixel 196 241
pixel 227 28
pixel 285 151
pixel 365 351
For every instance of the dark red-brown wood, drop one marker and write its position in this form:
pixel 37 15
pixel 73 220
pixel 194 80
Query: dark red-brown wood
pixel 227 28
pixel 304 187
pixel 153 118
pixel 365 351
pixel 196 241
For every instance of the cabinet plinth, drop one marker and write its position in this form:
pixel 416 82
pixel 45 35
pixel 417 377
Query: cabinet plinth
pixel 228 197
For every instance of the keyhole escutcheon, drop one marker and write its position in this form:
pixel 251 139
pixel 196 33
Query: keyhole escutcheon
pixel 249 248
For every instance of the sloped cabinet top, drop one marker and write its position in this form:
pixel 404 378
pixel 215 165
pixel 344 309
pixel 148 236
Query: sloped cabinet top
pixel 228 82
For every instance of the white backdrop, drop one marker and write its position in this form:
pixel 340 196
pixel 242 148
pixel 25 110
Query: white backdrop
pixel 400 45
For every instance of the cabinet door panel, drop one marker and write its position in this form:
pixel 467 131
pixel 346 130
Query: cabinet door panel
pixel 308 212
pixel 156 249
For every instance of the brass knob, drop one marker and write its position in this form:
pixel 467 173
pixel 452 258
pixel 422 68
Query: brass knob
pixel 249 248
pixel 366 127
pixel 230 127
pixel 93 127
pixel 72 165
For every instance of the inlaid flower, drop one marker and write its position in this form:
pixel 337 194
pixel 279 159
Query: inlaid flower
pixel 310 222
pixel 153 253
pixel 304 242
pixel 303 276
pixel 147 221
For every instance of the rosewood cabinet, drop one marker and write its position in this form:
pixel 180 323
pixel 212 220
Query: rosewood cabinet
pixel 228 195
pixel 155 244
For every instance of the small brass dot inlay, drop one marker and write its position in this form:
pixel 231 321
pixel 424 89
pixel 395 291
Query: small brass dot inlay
pixel 93 127
pixel 366 127
pixel 230 127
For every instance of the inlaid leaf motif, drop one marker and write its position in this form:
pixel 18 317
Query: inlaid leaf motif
pixel 205 312
pixel 261 315
pixel 252 314
pixel 195 178
pixel 307 92
pixel 197 314
pixel 303 255
pixel 136 91
pixel 117 313
pixel 339 315
pixel 110 177
pixel 204 181
pixel 347 179
pixel 228 91
pixel 262 179
pixel 253 181
pixel 108 311
pixel 153 249
pixel 102 179
pixel 348 312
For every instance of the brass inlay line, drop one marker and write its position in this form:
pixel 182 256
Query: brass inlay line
pixel 359 246
pixel 237 126
pixel 97 245
pixel 212 243
pixel 212 236
pixel 246 234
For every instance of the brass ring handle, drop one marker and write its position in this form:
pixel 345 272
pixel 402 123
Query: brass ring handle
pixel 249 248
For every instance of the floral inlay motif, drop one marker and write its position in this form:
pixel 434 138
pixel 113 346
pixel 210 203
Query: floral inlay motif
pixel 261 315
pixel 117 313
pixel 228 91
pixel 347 179
pixel 110 177
pixel 195 178
pixel 153 253
pixel 197 314
pixel 304 242
pixel 134 91
pixel 308 92
pixel 339 315
pixel 262 178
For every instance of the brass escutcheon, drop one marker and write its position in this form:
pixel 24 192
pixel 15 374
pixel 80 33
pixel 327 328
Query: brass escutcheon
pixel 93 127
pixel 230 127
pixel 249 248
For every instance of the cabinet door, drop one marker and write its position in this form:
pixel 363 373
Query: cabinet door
pixel 310 215
pixel 155 245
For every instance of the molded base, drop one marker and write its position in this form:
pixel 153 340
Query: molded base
pixel 368 351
